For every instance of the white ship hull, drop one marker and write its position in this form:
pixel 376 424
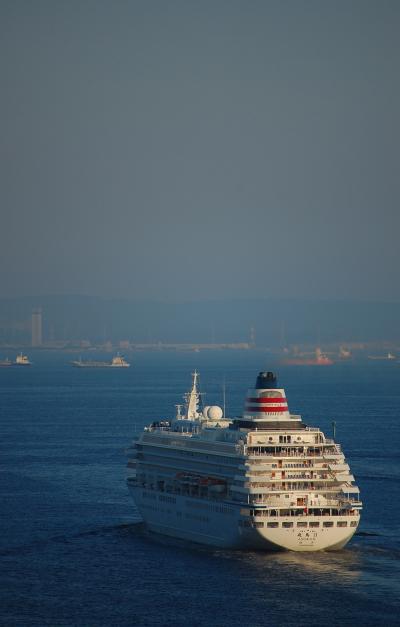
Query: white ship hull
pixel 221 524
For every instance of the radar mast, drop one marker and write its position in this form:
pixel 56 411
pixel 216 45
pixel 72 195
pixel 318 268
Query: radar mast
pixel 192 399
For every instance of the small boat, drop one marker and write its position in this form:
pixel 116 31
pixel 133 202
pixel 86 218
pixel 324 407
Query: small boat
pixel 344 353
pixel 5 363
pixel 388 357
pixel 22 360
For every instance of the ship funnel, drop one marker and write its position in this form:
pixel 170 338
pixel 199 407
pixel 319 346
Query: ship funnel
pixel 266 381
pixel 266 403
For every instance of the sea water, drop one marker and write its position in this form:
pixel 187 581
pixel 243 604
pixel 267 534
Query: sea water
pixel 71 547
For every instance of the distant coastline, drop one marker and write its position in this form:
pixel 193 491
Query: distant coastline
pixel 95 323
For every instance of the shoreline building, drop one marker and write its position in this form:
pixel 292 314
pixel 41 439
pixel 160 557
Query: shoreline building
pixel 37 327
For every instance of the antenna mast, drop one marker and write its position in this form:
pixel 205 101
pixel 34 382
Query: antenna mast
pixel 192 399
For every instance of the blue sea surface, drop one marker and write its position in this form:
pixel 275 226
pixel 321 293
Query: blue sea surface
pixel 73 552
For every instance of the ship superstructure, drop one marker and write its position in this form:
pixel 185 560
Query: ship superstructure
pixel 22 360
pixel 261 481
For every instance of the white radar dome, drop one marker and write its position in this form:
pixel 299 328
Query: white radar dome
pixel 214 412
pixel 205 411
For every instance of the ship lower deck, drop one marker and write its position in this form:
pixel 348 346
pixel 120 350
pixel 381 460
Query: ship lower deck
pixel 229 525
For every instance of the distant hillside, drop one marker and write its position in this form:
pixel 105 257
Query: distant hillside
pixel 275 322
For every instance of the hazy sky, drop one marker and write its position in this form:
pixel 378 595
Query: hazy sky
pixel 187 150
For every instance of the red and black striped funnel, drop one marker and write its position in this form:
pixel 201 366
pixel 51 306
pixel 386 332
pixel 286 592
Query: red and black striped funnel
pixel 266 401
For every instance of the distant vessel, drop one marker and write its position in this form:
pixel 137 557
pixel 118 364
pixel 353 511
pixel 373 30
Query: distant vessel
pixel 302 360
pixel 264 480
pixel 5 363
pixel 388 357
pixel 22 360
pixel 344 353
pixel 117 362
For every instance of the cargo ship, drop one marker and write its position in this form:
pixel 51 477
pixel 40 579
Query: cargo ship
pixel 317 359
pixel 117 362
pixel 388 357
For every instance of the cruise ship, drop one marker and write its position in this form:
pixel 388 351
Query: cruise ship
pixel 117 362
pixel 262 481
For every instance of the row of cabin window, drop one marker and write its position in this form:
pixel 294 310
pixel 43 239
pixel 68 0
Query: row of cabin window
pixel 288 525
